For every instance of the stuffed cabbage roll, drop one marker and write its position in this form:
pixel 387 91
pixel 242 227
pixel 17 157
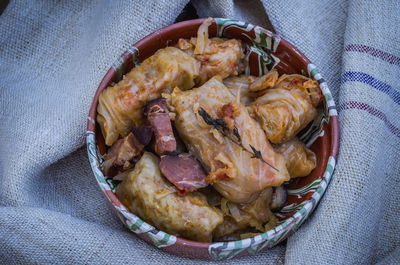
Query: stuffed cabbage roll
pixel 287 109
pixel 217 56
pixel 148 194
pixel 234 150
pixel 300 160
pixel 238 216
pixel 239 87
pixel 248 87
pixel 120 106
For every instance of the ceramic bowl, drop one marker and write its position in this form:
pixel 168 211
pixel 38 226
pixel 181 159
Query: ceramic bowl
pixel 264 51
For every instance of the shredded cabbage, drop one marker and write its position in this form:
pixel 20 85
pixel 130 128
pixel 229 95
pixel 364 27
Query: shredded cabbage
pixel 254 214
pixel 202 36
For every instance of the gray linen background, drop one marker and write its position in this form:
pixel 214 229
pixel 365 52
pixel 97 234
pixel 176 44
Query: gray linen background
pixel 53 55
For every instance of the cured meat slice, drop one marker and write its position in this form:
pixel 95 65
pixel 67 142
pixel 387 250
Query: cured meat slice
pixel 159 120
pixel 184 171
pixel 143 134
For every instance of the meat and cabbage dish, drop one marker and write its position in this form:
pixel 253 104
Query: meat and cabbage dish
pixel 199 149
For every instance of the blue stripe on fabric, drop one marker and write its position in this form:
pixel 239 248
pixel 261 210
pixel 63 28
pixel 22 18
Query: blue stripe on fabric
pixel 393 93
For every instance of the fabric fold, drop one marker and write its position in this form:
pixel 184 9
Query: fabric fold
pixel 54 55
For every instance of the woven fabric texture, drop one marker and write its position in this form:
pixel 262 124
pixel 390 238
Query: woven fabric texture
pixel 53 55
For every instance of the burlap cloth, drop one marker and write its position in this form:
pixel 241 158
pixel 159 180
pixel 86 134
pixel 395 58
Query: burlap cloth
pixel 53 55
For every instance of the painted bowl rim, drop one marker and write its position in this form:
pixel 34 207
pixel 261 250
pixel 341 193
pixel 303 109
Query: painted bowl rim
pixel 284 229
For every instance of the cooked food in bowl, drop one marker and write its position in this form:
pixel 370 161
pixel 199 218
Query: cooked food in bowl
pixel 202 150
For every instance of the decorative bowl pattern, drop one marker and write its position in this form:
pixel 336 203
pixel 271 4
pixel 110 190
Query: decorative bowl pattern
pixel 264 51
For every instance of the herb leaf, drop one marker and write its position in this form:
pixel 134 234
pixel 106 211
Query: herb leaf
pixel 255 151
pixel 206 117
pixel 236 133
pixel 221 126
pixel 257 154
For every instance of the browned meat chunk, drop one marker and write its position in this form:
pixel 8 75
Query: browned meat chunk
pixel 158 105
pixel 122 155
pixel 143 134
pixel 159 120
pixel 164 140
pixel 184 171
